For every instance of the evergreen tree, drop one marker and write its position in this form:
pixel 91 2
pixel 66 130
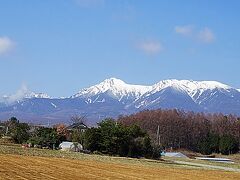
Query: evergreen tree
pixel 228 145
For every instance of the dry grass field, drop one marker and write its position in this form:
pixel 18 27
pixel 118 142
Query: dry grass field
pixel 18 163
pixel 30 167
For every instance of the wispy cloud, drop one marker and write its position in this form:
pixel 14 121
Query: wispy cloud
pixel 204 35
pixel 186 30
pixel 19 95
pixel 90 3
pixel 6 45
pixel 151 47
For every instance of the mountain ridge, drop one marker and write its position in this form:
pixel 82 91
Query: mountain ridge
pixel 113 97
pixel 114 82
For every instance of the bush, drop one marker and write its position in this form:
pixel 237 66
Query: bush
pixel 156 154
pixel 18 131
pixel 45 137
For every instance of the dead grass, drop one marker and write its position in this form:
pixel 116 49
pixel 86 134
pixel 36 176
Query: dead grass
pixel 19 163
pixel 29 167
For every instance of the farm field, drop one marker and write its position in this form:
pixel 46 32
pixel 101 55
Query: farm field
pixel 30 167
pixel 18 163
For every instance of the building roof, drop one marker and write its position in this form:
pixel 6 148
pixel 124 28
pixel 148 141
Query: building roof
pixel 66 144
pixel 69 145
pixel 77 126
pixel 174 154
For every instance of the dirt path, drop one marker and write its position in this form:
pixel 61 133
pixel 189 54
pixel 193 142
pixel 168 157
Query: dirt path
pixel 208 166
pixel 32 167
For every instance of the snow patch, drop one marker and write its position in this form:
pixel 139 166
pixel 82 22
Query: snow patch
pixel 37 95
pixel 54 105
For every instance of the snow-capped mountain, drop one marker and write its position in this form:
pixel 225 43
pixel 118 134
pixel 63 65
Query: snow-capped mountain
pixel 119 88
pixel 113 97
pixel 191 87
pixel 145 96
pixel 114 88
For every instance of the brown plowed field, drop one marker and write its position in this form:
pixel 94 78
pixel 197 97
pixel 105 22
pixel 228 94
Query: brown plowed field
pixel 32 167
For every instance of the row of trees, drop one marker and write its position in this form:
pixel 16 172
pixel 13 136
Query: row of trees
pixel 114 138
pixel 39 136
pixel 24 133
pixel 109 137
pixel 136 135
pixel 205 133
pixel 19 132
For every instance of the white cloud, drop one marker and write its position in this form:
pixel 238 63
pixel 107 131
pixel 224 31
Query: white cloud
pixel 6 45
pixel 90 3
pixel 206 35
pixel 184 30
pixel 19 95
pixel 150 47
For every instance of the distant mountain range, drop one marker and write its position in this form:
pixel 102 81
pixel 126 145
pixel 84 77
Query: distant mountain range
pixel 113 97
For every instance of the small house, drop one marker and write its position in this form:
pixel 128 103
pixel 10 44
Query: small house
pixel 77 126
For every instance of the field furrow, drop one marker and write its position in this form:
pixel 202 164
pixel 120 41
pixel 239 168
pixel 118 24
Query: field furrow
pixel 33 167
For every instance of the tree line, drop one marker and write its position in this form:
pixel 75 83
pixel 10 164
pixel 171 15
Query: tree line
pixel 21 133
pixel 142 134
pixel 109 137
pixel 199 132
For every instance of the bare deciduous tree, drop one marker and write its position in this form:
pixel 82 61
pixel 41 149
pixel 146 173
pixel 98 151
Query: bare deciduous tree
pixel 179 129
pixel 76 119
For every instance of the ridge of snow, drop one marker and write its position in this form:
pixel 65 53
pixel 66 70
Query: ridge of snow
pixel 190 86
pixel 27 95
pixel 36 95
pixel 116 87
pixel 119 89
pixel 20 96
pixel 123 92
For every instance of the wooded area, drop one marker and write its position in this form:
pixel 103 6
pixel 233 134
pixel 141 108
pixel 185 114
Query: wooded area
pixel 142 134
pixel 205 133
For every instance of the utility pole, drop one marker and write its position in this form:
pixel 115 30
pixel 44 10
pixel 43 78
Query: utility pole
pixel 158 135
pixel 6 133
pixel 48 123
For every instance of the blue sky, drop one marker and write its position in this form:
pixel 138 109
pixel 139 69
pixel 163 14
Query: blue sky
pixel 61 46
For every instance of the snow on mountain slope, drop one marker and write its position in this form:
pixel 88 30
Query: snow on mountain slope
pixel 37 95
pixel 140 97
pixel 20 96
pixel 121 91
pixel 113 97
pixel 118 89
pixel 115 87
pixel 191 87
pixel 169 97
